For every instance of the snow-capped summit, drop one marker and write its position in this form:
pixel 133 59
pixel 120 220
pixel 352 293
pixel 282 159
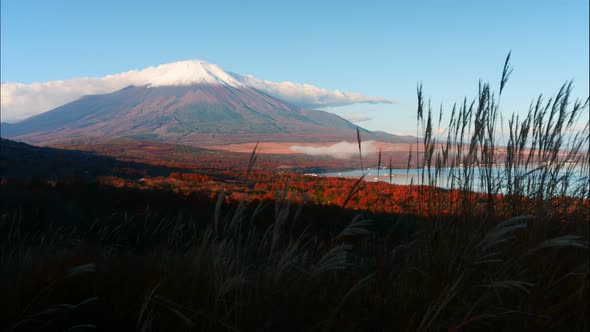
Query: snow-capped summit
pixel 181 73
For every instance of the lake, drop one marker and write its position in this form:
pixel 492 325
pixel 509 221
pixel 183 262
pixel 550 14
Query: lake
pixel 578 176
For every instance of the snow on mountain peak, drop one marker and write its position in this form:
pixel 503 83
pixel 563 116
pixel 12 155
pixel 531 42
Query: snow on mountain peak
pixel 183 73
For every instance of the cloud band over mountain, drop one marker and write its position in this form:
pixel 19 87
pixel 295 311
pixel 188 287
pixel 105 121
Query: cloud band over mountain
pixel 308 96
pixel 19 101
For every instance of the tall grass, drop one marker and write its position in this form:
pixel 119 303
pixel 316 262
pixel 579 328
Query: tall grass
pixel 259 267
pixel 542 158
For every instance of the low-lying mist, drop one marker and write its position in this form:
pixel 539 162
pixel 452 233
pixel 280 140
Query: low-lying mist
pixel 340 150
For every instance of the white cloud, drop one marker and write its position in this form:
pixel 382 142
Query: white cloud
pixel 19 101
pixel 356 118
pixel 308 96
pixel 341 150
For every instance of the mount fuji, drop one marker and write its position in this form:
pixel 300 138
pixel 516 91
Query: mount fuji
pixel 189 102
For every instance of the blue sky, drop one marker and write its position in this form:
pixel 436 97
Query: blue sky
pixel 375 48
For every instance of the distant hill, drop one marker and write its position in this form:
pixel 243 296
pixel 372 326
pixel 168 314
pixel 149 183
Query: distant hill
pixel 26 161
pixel 205 106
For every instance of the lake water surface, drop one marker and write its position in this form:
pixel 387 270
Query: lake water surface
pixel 452 178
